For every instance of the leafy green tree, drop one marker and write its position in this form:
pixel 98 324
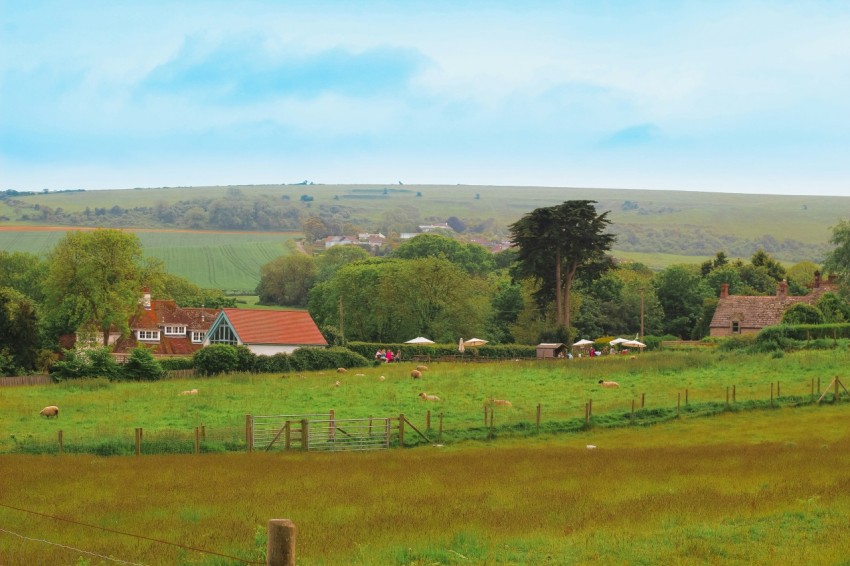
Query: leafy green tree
pixel 774 269
pixel 555 242
pixel 472 258
pixel 802 313
pixel 23 273
pixel 803 273
pixel 94 280
pixel 838 260
pixel 19 335
pixel 681 292
pixel 834 308
pixel 287 280
pixel 329 262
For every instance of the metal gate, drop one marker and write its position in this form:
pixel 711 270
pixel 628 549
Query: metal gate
pixel 319 432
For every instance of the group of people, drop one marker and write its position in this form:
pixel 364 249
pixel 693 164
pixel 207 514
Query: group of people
pixel 387 356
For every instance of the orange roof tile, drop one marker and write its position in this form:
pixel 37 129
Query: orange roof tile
pixel 275 327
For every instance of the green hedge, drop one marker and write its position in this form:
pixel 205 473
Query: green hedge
pixel 303 359
pixel 407 351
pixel 173 364
pixel 783 332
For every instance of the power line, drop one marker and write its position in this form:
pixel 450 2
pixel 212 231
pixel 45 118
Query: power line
pixel 70 548
pixel 165 542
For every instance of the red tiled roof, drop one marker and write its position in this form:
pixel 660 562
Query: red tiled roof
pixel 758 312
pixel 166 312
pixel 275 327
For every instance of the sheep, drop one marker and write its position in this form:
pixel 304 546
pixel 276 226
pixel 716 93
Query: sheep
pixel 426 397
pixel 381 378
pixel 359 375
pixel 504 402
pixel 632 357
pixel 189 392
pixel 50 411
pixel 609 383
pixel 341 370
pixel 337 383
pixel 422 368
pixel 591 447
pixel 416 374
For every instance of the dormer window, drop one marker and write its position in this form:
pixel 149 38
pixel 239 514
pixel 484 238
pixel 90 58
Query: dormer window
pixel 198 337
pixel 148 335
pixel 175 330
pixel 736 327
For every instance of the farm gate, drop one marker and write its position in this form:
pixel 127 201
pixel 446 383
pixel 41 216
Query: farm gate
pixel 319 432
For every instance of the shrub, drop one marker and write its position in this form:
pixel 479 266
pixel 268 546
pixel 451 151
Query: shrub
pixel 142 366
pixel 216 359
pixel 102 364
pixel 173 364
pixel 802 313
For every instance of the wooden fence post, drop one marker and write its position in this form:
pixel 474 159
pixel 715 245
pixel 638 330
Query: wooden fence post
pixel 686 397
pixel 837 393
pixel 632 418
pixel 61 444
pixel 249 437
pixel 586 413
pixel 197 440
pixel 401 431
pixel 538 416
pixel 138 441
pixel 203 432
pixel 440 434
pixel 678 403
pixel 281 543
pixel 485 415
pixel 370 425
pixel 727 396
pixel 490 436
pixel 778 394
pixel 734 396
pixel 771 394
pixel 590 408
pixel 818 384
pixel 305 434
pixel 287 435
pixel 642 400
pixel 813 389
pixel 428 420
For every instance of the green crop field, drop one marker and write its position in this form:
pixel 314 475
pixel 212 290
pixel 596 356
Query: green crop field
pixel 760 486
pixel 228 261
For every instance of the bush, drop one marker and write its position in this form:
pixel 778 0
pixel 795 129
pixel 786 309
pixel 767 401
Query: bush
pixel 173 364
pixel 802 313
pixel 142 366
pixel 216 359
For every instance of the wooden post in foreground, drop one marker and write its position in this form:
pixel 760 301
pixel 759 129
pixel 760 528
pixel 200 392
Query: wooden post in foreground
pixel 586 413
pixel 633 411
pixel 401 431
pixel 538 416
pixel 771 394
pixel 727 396
pixel 837 393
pixel 61 445
pixel 138 441
pixel 305 434
pixel 490 437
pixel 686 396
pixel 249 438
pixel 197 440
pixel 440 434
pixel 281 545
pixel 678 403
pixel 642 400
pixel 428 420
pixel 734 397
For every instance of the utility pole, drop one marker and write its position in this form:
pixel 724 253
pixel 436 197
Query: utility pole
pixel 341 331
pixel 641 314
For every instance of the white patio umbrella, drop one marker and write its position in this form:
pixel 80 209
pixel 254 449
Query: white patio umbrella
pixel 616 341
pixel 583 342
pixel 419 340
pixel 633 344
pixel 473 342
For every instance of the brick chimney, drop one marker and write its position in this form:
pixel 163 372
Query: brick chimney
pixel 782 289
pixel 724 291
pixel 146 299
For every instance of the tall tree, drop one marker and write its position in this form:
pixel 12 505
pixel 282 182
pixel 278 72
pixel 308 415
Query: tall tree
pixel 95 279
pixel 287 280
pixel 555 242
pixel 838 260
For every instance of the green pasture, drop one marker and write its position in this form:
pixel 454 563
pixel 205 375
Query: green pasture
pixel 751 487
pixel 95 413
pixel 209 259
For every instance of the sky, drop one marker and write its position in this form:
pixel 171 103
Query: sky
pixel 738 96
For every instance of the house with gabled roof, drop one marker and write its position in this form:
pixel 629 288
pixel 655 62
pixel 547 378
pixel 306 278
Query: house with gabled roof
pixel 166 328
pixel 744 314
pixel 265 332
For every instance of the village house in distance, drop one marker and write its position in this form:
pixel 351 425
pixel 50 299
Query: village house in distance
pixel 744 314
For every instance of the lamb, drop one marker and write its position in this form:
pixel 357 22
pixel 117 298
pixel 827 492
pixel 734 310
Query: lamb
pixel 381 378
pixel 426 397
pixel 50 411
pixel 504 402
pixel 416 374
pixel 337 383
pixel 422 368
pixel 609 383
pixel 189 392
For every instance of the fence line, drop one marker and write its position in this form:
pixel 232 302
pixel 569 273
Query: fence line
pixel 25 380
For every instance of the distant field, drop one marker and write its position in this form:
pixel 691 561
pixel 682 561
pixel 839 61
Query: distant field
pixel 218 260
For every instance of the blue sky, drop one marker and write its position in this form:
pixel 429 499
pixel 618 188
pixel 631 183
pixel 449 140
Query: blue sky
pixel 710 96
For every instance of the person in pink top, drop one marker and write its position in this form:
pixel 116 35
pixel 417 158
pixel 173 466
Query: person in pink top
pixel 389 356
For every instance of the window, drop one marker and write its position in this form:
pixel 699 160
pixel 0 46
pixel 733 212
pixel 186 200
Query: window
pixel 736 327
pixel 224 335
pixel 175 330
pixel 149 335
pixel 198 337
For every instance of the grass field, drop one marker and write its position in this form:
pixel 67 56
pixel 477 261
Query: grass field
pixel 217 260
pixel 755 487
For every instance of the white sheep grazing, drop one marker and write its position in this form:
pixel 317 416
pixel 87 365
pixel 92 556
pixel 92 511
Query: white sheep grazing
pixel 189 392
pixel 341 370
pixel 422 368
pixel 609 383
pixel 426 397
pixel 504 402
pixel 416 374
pixel 50 411
pixel 381 378
pixel 337 384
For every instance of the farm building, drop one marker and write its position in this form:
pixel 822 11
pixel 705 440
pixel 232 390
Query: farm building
pixel 556 350
pixel 743 314
pixel 265 332
pixel 166 328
